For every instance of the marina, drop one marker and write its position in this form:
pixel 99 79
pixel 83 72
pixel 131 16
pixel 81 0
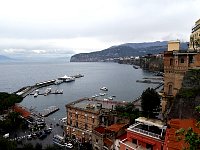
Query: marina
pixel 28 90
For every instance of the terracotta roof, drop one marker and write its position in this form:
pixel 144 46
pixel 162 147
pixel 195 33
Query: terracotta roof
pixel 22 111
pixel 108 142
pixel 171 141
pixel 100 129
pixel 122 137
pixel 115 127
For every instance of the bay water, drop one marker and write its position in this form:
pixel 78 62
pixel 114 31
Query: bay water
pixel 120 79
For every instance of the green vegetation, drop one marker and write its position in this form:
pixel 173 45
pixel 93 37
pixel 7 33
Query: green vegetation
pixel 128 111
pixel 12 122
pixel 150 103
pixel 8 100
pixel 189 136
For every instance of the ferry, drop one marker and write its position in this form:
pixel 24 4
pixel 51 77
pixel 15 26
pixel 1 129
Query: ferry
pixel 66 78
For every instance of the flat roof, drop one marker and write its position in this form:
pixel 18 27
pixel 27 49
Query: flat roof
pixel 152 122
pixel 94 104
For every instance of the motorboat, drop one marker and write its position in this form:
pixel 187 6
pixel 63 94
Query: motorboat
pixel 104 88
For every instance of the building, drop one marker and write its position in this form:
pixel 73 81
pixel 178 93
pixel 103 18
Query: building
pixel 195 37
pixel 144 134
pixel 86 114
pixel 106 138
pixel 171 139
pixel 176 63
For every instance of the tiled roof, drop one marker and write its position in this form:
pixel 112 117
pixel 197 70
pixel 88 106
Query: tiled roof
pixel 115 127
pixel 122 137
pixel 108 142
pixel 22 111
pixel 100 129
pixel 171 141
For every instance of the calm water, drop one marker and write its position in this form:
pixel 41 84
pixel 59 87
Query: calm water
pixel 118 78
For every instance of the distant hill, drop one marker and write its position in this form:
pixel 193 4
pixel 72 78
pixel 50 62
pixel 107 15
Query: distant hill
pixel 123 50
pixel 4 58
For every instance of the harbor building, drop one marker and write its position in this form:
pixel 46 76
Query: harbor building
pixel 176 63
pixel 144 134
pixel 86 114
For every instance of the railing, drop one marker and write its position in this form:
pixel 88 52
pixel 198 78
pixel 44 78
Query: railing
pixel 146 132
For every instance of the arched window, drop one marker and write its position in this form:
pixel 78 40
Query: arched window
pixel 170 90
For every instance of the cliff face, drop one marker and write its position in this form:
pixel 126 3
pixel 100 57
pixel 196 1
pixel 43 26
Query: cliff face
pixel 188 97
pixel 124 50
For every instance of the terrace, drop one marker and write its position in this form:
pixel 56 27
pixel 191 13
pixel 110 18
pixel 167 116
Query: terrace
pixel 148 127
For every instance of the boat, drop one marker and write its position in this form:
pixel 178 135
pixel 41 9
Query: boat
pixel 60 141
pixel 110 98
pixel 66 78
pixel 135 67
pixel 78 75
pixel 36 93
pixel 47 91
pixel 102 94
pixel 104 88
pixel 57 82
pixel 58 91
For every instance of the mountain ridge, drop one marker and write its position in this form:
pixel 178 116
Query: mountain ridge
pixel 124 50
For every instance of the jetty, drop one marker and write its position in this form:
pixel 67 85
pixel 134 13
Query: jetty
pixel 50 110
pixel 27 90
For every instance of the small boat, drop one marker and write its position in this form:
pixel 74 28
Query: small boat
pixel 57 82
pixel 35 94
pixel 110 98
pixel 47 91
pixel 104 88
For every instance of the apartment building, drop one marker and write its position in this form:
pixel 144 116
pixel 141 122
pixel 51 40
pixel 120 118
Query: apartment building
pixel 86 114
pixel 145 134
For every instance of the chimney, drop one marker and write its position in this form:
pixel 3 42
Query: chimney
pixel 174 45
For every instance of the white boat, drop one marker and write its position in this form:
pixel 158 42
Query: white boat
pixel 104 88
pixel 102 94
pixel 110 98
pixel 47 91
pixel 66 78
pixel 35 94
pixel 57 82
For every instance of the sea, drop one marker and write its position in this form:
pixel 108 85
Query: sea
pixel 120 79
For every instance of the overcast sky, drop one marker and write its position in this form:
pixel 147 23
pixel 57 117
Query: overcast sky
pixel 66 27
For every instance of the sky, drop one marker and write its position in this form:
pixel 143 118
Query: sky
pixel 56 28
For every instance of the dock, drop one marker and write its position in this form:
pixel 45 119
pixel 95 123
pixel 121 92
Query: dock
pixel 50 110
pixel 27 90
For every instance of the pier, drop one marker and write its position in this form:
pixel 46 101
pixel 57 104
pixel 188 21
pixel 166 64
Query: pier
pixel 27 90
pixel 49 110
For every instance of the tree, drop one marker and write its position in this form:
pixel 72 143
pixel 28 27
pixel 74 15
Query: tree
pixel 150 103
pixel 128 110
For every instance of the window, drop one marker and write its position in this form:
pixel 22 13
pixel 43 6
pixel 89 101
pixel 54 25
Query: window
pixel 76 116
pixel 171 61
pixel 86 126
pixel 77 124
pixel 92 120
pixel 97 140
pixel 149 147
pixel 170 90
pixel 134 141
pixel 191 60
pixel 182 60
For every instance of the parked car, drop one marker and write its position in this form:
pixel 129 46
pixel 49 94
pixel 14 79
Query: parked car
pixel 29 137
pixel 42 136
